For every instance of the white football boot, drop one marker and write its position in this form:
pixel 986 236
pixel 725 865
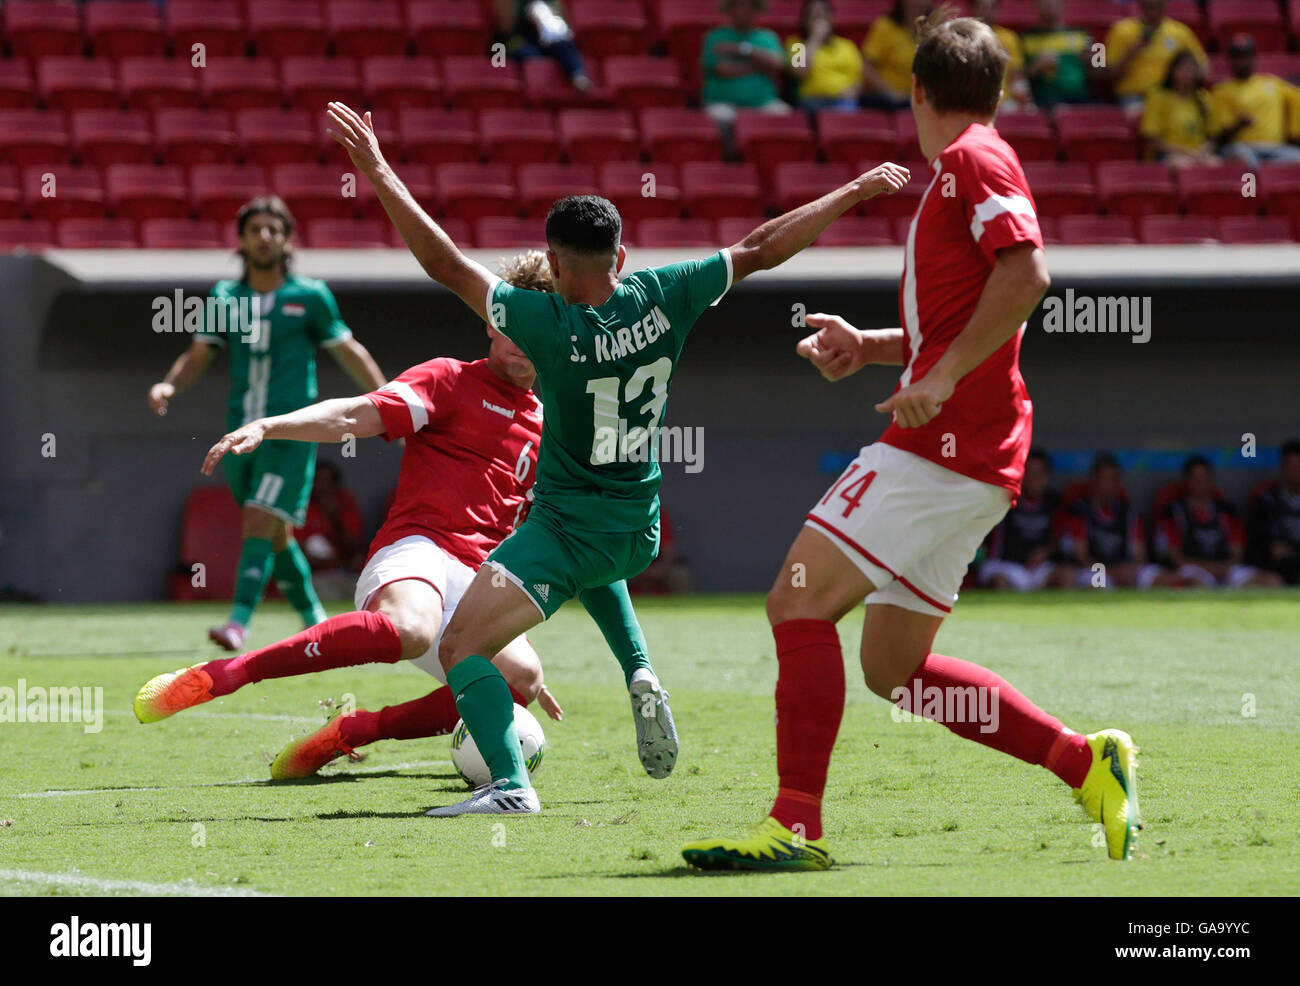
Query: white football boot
pixel 492 799
pixel 656 733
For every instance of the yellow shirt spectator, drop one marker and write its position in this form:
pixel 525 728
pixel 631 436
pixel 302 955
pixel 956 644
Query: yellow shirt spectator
pixel 889 47
pixel 1272 102
pixel 1178 120
pixel 1149 66
pixel 1016 62
pixel 834 68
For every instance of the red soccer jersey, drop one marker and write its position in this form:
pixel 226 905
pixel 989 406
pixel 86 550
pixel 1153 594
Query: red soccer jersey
pixel 976 204
pixel 470 459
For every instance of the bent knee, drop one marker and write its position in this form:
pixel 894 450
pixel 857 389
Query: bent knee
pixel 416 633
pixel 525 679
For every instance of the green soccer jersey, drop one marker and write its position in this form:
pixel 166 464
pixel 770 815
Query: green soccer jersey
pixel 603 374
pixel 272 341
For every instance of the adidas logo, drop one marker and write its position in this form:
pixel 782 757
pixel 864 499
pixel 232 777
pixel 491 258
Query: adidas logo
pixel 542 589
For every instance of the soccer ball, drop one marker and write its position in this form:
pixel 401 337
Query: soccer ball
pixel 469 762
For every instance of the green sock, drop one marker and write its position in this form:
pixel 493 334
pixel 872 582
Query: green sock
pixel 611 607
pixel 293 576
pixel 483 700
pixel 250 578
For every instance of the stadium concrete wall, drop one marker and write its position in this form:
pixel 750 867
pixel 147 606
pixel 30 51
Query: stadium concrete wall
pixel 92 485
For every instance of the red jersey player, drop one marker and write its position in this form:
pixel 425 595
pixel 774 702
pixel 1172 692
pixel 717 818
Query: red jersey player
pixel 472 432
pixel 903 522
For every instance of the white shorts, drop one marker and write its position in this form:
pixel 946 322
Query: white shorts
pixel 912 528
pixel 1020 577
pixel 1236 577
pixel 417 557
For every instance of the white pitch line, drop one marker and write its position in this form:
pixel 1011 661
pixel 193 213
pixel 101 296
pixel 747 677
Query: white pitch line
pixel 98 885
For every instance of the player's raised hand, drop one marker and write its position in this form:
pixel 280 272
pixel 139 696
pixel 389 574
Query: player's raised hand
pixel 547 701
pixel 887 178
pixel 356 134
pixel 918 403
pixel 159 395
pixel 241 441
pixel 835 348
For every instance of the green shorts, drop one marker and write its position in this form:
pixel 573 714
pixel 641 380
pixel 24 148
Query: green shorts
pixel 553 562
pixel 277 478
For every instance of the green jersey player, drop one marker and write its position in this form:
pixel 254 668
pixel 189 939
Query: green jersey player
pixel 605 352
pixel 271 323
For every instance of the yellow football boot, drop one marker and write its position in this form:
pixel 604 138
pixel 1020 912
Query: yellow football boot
pixel 1109 791
pixel 770 846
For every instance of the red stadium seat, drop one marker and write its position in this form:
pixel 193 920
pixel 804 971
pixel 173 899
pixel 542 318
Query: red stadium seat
pixel 640 81
pixel 641 191
pixel 902 204
pixel 123 28
pixel 1279 189
pixel 395 82
pixel 1283 64
pixel 1216 190
pixel 311 81
pixel 27 235
pixel 518 136
pixel 112 136
pixel 541 184
pixel 853 137
pixel 472 191
pixel 1016 15
pixel 271 137
pixel 734 229
pixel 143 191
pixel 160 83
pixel 1254 229
pixel 281 28
pixel 1173 230
pixel 1135 188
pixel 1097 230
pixel 1094 16
pixel 434 136
pixel 509 233
pixel 1050 230
pixel 857 231
pixel 97 234
pixel 38 28
pixel 1189 13
pixel 767 139
pixel 241 83
pixel 218 25
pixel 677 135
pixel 17 84
pixel 909 145
pixel 366 27
pixel 196 136
pixel 853 18
pixel 347 234
pixel 448 27
pixel 684 24
pixel 1030 135
pixel 11 195
pixel 59 191
pixel 612 27
pixel 317 191
pixel 1061 188
pixel 546 85
pixel 797 182
pixel 718 190
pixel 781 16
pixel 1261 19
pixel 597 136
pixel 220 189
pixel 210 533
pixel 70 83
pixel 474 83
pixel 1095 133
pixel 33 137
pixel 182 234
pixel 652 234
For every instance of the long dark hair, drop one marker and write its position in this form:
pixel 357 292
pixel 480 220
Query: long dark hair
pixel 273 205
pixel 1198 84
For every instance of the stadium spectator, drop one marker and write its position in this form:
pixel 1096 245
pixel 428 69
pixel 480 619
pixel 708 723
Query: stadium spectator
pixel 1275 518
pixel 536 29
pixel 1176 118
pixel 1023 548
pixel 667 574
pixel 1201 534
pixel 743 65
pixel 1057 58
pixel 828 67
pixel 1255 114
pixel 1015 90
pixel 1106 537
pixel 889 47
pixel 333 537
pixel 1139 50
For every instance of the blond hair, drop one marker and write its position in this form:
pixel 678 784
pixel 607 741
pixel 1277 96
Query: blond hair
pixel 530 270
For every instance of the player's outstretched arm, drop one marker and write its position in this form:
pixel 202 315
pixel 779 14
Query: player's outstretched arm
pixel 358 364
pixel 433 248
pixel 779 239
pixel 328 421
pixel 837 349
pixel 189 366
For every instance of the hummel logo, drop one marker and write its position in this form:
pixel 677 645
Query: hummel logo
pixel 506 412
pixel 542 589
pixel 313 649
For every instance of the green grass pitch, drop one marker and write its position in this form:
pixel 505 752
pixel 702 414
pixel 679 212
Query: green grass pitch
pixel 1207 684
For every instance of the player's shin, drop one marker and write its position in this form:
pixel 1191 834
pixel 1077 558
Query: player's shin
pixel 293 575
pixel 611 607
pixel 255 563
pixel 484 702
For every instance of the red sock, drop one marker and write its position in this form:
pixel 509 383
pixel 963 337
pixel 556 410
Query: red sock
pixel 1022 729
pixel 809 705
pixel 339 642
pixel 433 715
